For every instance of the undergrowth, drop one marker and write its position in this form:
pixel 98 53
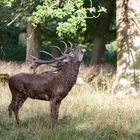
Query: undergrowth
pixel 85 114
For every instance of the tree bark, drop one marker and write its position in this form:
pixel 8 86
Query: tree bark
pixel 99 41
pixel 33 42
pixel 128 53
pixel 98 51
pixel 22 39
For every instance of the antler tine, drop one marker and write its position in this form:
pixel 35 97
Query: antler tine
pixel 49 54
pixel 66 47
pixel 35 58
pixel 57 49
pixel 39 61
pixel 70 45
pixel 91 4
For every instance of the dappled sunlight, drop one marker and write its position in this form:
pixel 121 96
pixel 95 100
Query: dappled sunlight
pixel 128 41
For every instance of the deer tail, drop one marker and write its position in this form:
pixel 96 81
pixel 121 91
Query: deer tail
pixel 10 111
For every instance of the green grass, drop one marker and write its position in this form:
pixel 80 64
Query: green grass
pixel 84 115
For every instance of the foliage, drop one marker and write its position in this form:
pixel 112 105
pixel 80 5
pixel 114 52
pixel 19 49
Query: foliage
pixel 110 53
pixel 7 3
pixel 9 48
pixel 70 16
pixel 66 19
pixel 102 26
pixel 13 53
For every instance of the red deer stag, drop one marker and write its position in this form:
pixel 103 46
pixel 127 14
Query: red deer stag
pixel 50 86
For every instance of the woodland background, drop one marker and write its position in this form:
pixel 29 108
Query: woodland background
pixel 102 105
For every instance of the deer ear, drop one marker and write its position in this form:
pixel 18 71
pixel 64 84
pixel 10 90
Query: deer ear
pixel 66 60
pixel 71 54
pixel 83 50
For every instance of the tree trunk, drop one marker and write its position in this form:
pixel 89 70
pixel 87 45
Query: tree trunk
pixel 100 38
pixel 128 42
pixel 98 51
pixel 22 39
pixel 33 41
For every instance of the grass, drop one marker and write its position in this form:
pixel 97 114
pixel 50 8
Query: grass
pixel 85 114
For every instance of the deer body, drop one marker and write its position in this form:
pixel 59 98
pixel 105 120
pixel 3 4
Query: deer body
pixel 47 86
pixel 44 86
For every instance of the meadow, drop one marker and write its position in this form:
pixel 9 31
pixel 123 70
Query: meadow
pixel 87 113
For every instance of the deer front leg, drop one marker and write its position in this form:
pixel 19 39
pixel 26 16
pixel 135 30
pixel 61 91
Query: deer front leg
pixel 54 104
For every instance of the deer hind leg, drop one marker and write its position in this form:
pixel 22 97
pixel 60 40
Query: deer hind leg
pixel 10 108
pixel 15 105
pixel 19 103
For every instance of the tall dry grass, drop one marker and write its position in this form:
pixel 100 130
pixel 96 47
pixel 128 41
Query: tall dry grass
pixel 85 114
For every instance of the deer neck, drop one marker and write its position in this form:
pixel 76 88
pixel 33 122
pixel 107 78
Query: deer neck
pixel 71 69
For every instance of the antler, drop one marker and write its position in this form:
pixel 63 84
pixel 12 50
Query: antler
pixel 66 46
pixel 49 54
pixel 37 62
pixel 71 48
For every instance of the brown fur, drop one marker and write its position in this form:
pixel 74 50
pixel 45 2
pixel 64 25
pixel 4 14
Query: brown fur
pixel 47 86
